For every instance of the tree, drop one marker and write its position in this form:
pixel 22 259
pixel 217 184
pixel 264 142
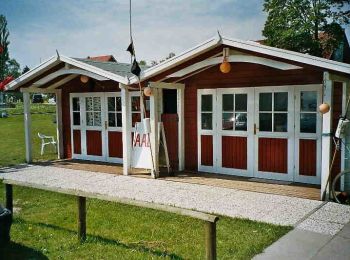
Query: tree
pixel 4 42
pixel 297 24
pixel 142 63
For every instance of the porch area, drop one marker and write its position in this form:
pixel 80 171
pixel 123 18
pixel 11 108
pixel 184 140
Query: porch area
pixel 284 188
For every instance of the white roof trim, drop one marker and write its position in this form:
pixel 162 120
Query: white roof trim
pixel 178 59
pixel 56 60
pixel 62 72
pixel 289 55
pixel 234 58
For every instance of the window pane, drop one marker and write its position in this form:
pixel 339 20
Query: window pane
pixel 307 123
pixel 281 101
pixel 265 101
pixel 97 104
pixel 111 120
pixel 89 106
pixel 111 104
pixel 119 119
pixel 227 102
pixel 207 103
pixel 265 122
pixel 76 118
pixel 89 119
pixel 241 122
pixel 227 121
pixel 76 104
pixel 135 103
pixel 118 101
pixel 281 122
pixel 207 121
pixel 136 117
pixel 308 101
pixel 241 103
pixel 97 119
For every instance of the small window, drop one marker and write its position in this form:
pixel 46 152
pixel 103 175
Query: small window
pixel 234 115
pixel 93 111
pixel 76 110
pixel 308 111
pixel 114 112
pixel 207 112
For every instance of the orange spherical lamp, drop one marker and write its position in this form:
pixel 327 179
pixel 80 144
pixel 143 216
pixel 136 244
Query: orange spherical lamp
pixel 225 66
pixel 324 108
pixel 84 79
pixel 147 91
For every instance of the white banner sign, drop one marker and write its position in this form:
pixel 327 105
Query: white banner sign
pixel 141 149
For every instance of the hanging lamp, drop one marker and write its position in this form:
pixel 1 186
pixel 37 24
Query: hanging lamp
pixel 225 66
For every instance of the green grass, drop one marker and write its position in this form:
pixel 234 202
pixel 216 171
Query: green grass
pixel 12 147
pixel 35 108
pixel 45 226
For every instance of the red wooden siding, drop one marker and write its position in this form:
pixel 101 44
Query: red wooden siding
pixel 207 150
pixel 234 152
pixel 94 142
pixel 273 154
pixel 170 122
pixel 191 138
pixel 307 157
pixel 115 144
pixel 77 141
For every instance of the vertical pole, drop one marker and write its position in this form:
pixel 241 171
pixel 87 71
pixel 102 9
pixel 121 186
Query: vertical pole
pixel 181 127
pixel 326 136
pixel 81 218
pixel 9 197
pixel 60 153
pixel 27 126
pixel 126 128
pixel 210 240
pixel 154 118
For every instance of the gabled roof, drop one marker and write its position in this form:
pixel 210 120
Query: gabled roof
pixel 121 69
pixel 120 72
pixel 247 46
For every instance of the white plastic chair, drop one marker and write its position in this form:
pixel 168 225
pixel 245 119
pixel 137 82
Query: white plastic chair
pixel 46 140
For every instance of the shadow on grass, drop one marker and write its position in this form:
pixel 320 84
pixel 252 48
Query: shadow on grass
pixel 17 251
pixel 98 239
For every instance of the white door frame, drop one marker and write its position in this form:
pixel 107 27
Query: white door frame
pixel 109 128
pixel 249 134
pixel 285 135
pixel 311 136
pixel 212 132
pixel 83 127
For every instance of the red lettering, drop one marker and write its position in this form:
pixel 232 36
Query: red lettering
pixel 137 140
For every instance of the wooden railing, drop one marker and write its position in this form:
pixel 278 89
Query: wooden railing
pixel 209 220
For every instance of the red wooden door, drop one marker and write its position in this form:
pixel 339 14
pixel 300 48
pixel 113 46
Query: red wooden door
pixel 170 122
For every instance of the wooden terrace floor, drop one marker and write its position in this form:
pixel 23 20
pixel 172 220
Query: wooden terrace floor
pixel 218 180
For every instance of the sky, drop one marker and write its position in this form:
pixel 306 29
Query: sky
pixel 81 28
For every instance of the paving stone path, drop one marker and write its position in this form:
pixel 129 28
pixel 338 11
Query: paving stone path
pixel 304 214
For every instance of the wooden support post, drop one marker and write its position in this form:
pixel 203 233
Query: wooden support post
pixel 210 240
pixel 27 126
pixel 154 116
pixel 81 218
pixel 181 127
pixel 126 128
pixel 9 197
pixel 326 136
pixel 60 153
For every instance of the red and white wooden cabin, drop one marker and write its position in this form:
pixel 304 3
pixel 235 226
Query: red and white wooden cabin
pixel 259 120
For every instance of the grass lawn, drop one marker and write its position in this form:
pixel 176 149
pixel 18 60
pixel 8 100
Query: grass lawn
pixel 45 226
pixel 12 148
pixel 45 223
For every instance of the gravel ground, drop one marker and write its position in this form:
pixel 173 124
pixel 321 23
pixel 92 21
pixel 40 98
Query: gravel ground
pixel 276 209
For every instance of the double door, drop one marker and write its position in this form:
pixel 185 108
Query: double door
pixel 263 132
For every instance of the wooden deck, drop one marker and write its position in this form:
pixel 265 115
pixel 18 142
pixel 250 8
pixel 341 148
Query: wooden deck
pixel 218 180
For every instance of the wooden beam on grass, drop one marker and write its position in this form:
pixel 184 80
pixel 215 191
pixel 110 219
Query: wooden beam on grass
pixel 81 218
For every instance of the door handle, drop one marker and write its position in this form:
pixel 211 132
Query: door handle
pixel 255 129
